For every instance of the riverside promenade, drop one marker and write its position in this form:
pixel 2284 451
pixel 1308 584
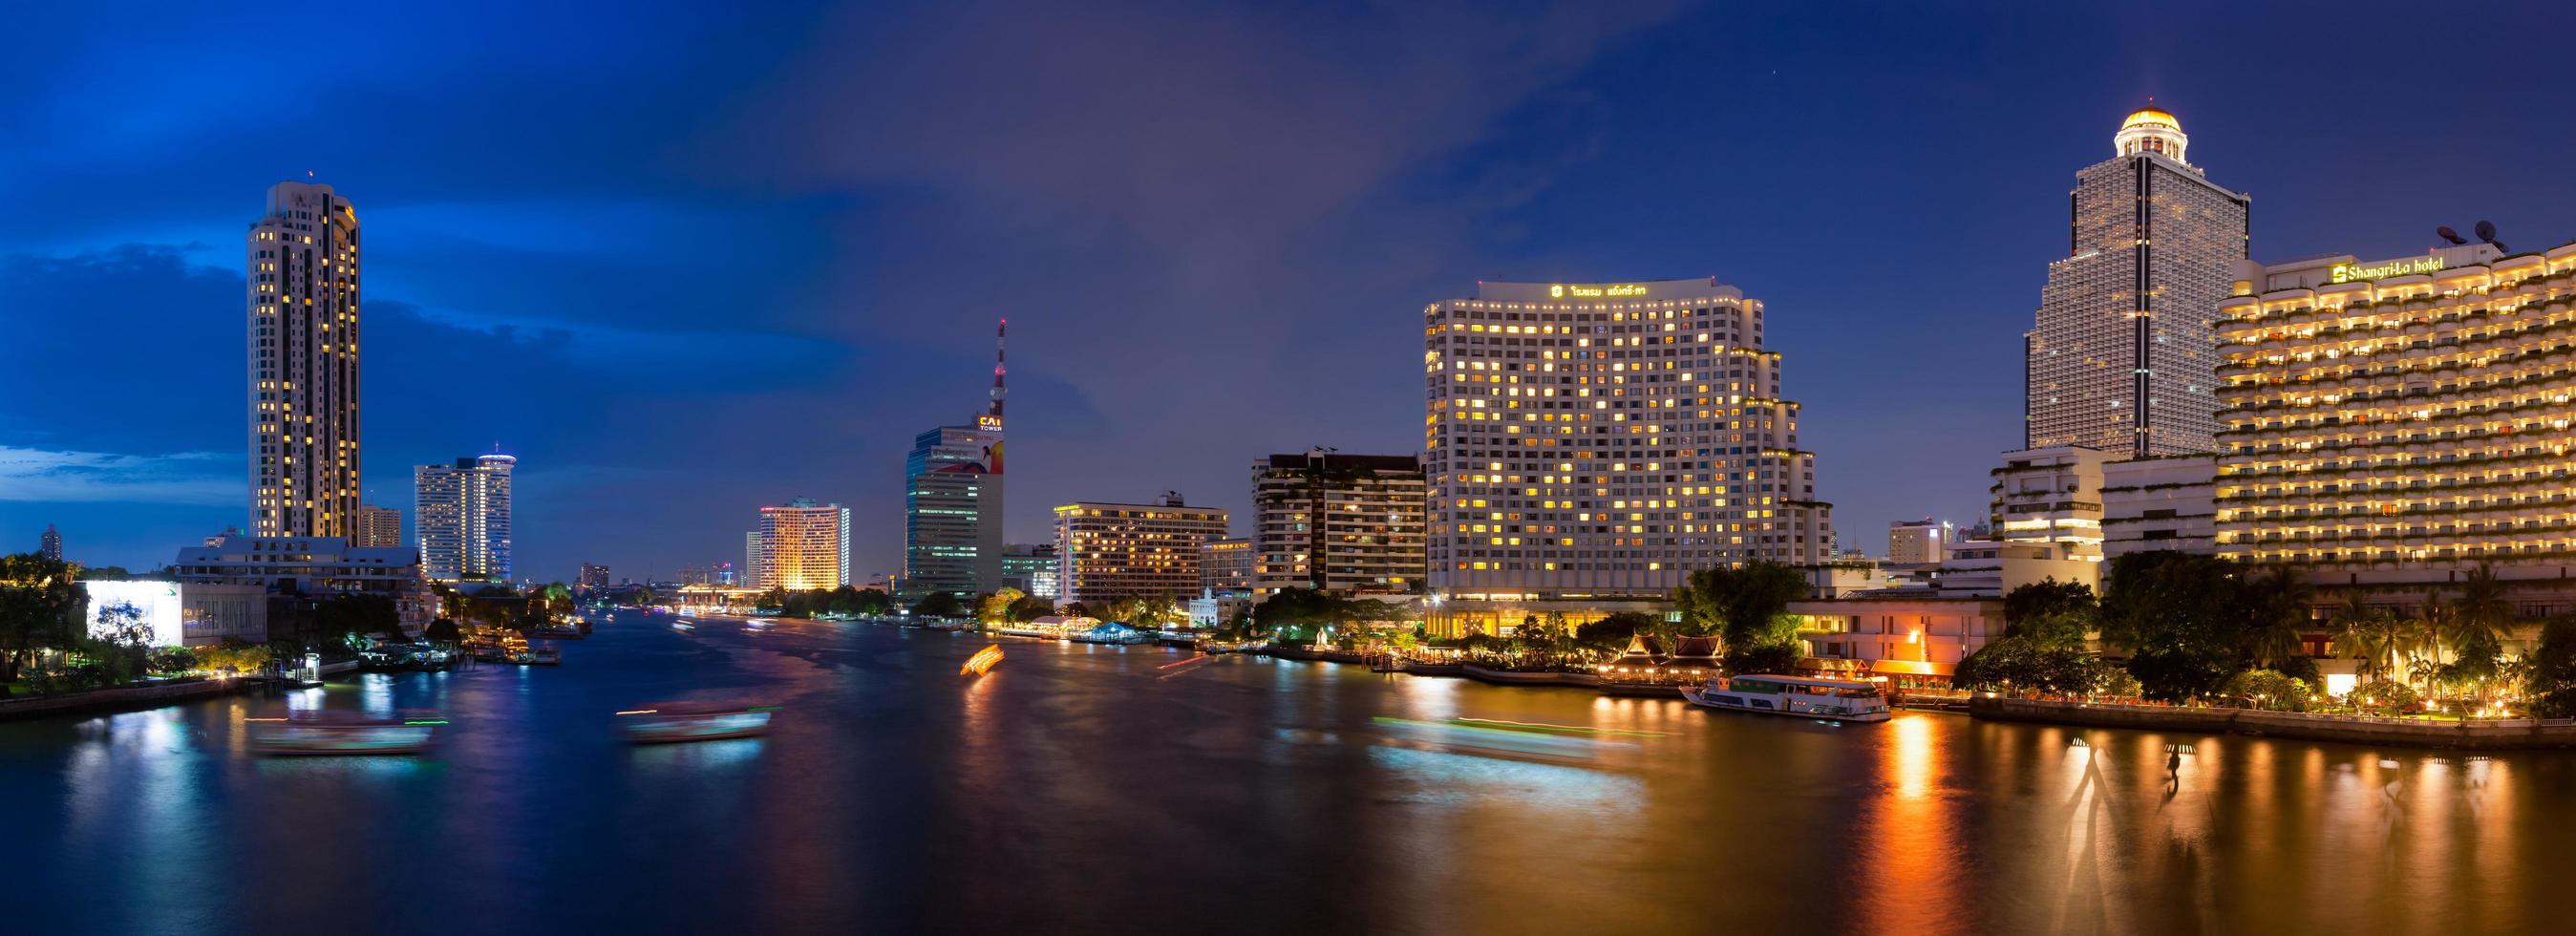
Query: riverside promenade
pixel 2476 734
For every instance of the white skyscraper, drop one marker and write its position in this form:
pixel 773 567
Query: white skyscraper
pixel 462 514
pixel 1589 445
pixel 2124 357
pixel 303 346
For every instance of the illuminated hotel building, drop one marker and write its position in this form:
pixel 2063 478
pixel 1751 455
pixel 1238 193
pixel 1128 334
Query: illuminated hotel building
pixel 303 346
pixel 952 505
pixel 2123 357
pixel 462 515
pixel 1917 542
pixel 1110 551
pixel 1347 524
pixel 1226 567
pixel 376 526
pixel 802 546
pixel 2400 418
pixel 1588 445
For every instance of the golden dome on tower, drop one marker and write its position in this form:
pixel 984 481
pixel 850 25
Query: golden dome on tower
pixel 2150 117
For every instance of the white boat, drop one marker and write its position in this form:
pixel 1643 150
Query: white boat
pixel 1801 696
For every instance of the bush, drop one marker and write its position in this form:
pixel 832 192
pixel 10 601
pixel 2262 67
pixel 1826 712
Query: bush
pixel 2389 695
pixel 173 660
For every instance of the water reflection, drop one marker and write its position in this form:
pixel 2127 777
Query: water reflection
pixel 1072 786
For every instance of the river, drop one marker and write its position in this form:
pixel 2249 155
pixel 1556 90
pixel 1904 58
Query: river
pixel 1114 790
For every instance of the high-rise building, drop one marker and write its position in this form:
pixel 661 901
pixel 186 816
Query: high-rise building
pixel 751 560
pixel 51 544
pixel 804 546
pixel 594 578
pixel 2123 358
pixel 461 514
pixel 1110 551
pixel 375 527
pixel 2051 499
pixel 1226 567
pixel 1588 445
pixel 1349 524
pixel 303 343
pixel 952 503
pixel 1032 568
pixel 1917 542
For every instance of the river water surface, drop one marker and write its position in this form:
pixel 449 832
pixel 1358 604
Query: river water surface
pixel 1110 789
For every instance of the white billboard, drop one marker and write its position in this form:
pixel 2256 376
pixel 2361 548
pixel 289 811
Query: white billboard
pixel 157 601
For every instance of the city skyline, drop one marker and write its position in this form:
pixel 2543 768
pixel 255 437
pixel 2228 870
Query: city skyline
pixel 1527 164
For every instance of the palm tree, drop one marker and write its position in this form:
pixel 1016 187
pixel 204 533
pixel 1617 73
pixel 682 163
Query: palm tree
pixel 2481 616
pixel 2280 611
pixel 2429 628
pixel 2361 635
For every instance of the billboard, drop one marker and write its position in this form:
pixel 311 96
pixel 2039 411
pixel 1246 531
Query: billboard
pixel 157 603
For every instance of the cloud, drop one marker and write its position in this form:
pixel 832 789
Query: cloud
pixel 192 478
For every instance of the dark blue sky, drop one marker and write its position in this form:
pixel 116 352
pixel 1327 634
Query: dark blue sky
pixel 685 260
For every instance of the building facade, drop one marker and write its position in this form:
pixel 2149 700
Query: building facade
pixel 1588 445
pixel 1348 524
pixel 2051 497
pixel 461 514
pixel 1109 550
pixel 2404 418
pixel 594 578
pixel 752 575
pixel 1226 567
pixel 50 545
pixel 2159 503
pixel 302 269
pixel 1917 542
pixel 376 526
pixel 804 546
pixel 316 565
pixel 952 501
pixel 1032 568
pixel 2123 357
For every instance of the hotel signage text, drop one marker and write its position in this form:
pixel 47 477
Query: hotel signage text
pixel 1599 291
pixel 2358 272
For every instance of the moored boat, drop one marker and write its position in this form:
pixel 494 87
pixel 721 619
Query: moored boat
pixel 1800 696
pixel 672 722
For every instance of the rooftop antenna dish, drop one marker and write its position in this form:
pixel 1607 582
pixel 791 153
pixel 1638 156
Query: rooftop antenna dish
pixel 2450 235
pixel 2486 232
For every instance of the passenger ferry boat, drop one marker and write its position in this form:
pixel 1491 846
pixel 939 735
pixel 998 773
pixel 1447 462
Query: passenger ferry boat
pixel 672 722
pixel 1803 696
pixel 329 733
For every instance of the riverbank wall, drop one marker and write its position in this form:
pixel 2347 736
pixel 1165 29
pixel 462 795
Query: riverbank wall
pixel 115 700
pixel 2482 734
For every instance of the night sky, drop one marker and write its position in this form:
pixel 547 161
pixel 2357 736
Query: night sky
pixel 688 260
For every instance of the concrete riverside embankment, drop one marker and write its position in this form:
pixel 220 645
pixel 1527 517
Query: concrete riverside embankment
pixel 2481 734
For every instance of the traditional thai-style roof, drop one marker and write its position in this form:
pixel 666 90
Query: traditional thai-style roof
pixel 1642 651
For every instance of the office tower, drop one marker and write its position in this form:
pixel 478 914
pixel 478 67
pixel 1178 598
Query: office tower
pixel 303 343
pixel 803 546
pixel 952 503
pixel 1111 550
pixel 594 578
pixel 1916 542
pixel 2123 358
pixel 376 527
pixel 1031 568
pixel 751 560
pixel 51 544
pixel 461 516
pixel 1588 445
pixel 1349 524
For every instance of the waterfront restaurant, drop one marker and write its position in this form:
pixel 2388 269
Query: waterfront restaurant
pixel 1915 641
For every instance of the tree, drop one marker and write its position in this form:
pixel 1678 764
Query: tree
pixel 2051 614
pixel 1296 610
pixel 357 614
pixel 995 608
pixel 641 596
pixel 1746 607
pixel 443 630
pixel 775 599
pixel 2271 690
pixel 41 607
pixel 2366 635
pixel 1610 634
pixel 2481 617
pixel 939 605
pixel 2550 681
pixel 2180 617
pixel 1031 607
pixel 173 660
pixel 2275 617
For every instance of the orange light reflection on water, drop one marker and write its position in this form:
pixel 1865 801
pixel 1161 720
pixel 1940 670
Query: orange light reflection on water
pixel 1905 863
